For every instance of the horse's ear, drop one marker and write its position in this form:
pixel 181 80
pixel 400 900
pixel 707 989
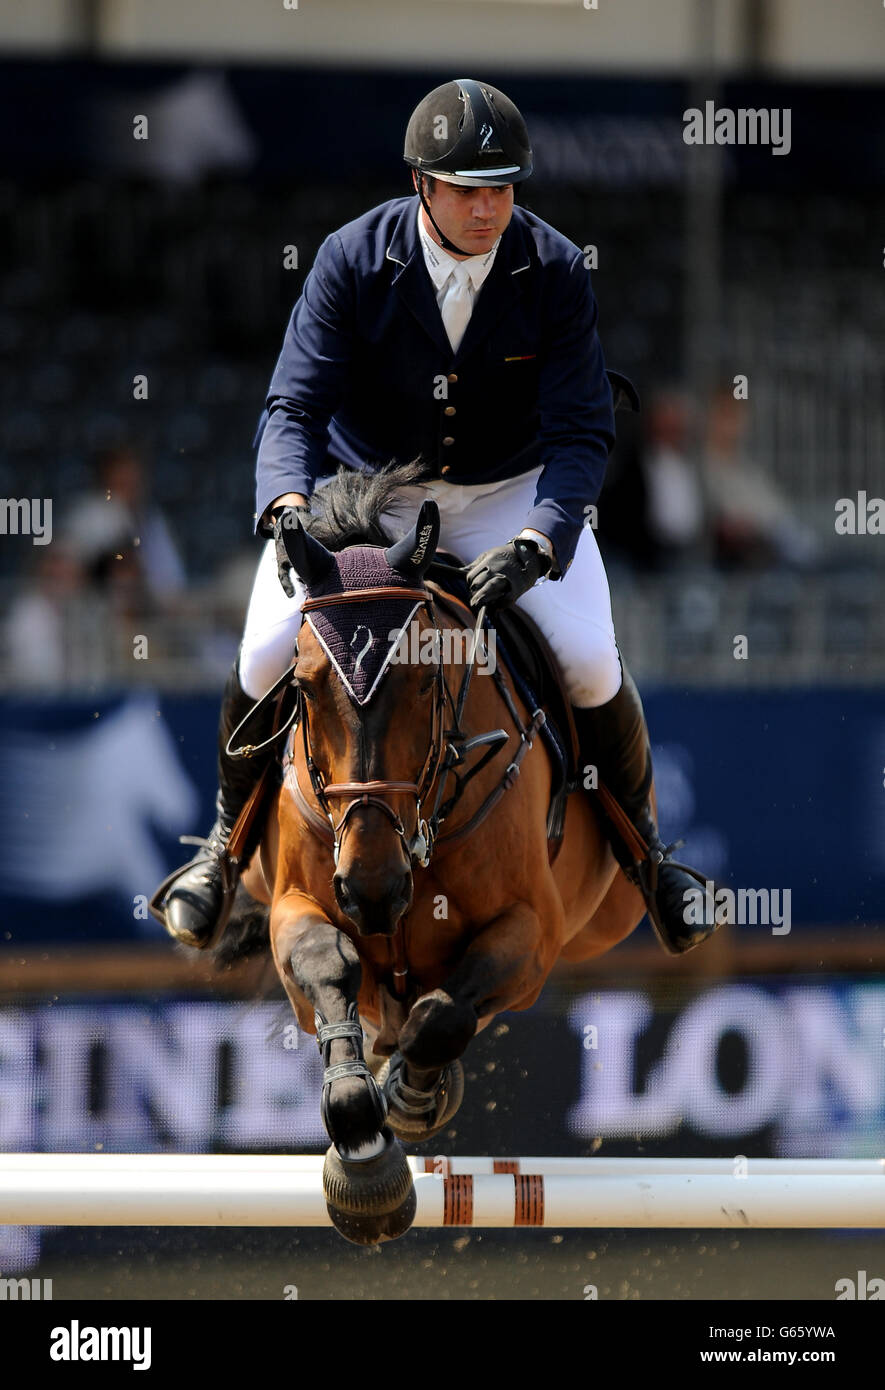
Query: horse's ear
pixel 311 560
pixel 412 553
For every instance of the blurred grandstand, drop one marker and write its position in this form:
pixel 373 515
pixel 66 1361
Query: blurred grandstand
pixel 168 264
pixel 104 281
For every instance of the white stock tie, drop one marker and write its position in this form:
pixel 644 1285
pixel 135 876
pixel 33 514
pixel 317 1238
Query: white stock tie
pixel 457 306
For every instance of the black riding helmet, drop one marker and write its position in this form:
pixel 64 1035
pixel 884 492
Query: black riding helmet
pixel 467 133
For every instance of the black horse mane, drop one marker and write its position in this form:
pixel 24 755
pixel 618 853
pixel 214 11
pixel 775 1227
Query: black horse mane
pixel 348 509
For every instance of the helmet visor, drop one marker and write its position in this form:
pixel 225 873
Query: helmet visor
pixel 480 178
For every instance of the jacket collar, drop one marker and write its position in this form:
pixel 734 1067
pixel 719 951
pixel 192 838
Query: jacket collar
pixel 416 288
pixel 440 264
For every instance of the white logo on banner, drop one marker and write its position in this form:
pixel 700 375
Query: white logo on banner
pixel 813 1065
pixel 80 807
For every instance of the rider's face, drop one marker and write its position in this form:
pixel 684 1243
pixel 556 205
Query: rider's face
pixel 472 218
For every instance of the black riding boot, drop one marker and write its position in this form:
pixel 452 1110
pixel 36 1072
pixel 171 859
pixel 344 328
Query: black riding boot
pixel 198 900
pixel 614 736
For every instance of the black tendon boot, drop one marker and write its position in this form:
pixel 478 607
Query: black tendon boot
pixel 198 897
pixel 614 736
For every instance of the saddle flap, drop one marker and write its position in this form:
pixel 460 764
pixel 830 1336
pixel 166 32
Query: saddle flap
pixel 536 658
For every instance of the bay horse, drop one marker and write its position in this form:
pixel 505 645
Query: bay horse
pixel 391 904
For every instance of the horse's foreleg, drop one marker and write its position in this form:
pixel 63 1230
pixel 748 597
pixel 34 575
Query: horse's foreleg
pixel 505 966
pixel 321 970
pixel 366 1179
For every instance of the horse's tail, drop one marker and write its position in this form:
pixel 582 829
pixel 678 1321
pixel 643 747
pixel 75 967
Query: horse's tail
pixel 247 932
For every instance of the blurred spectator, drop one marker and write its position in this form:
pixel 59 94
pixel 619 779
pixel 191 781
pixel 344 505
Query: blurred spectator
pixel 38 631
pixel 121 538
pixel 752 521
pixel 227 593
pixel 674 499
pixel 623 534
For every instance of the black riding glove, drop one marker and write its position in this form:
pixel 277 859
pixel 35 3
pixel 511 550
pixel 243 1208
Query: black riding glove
pixel 503 575
pixel 284 519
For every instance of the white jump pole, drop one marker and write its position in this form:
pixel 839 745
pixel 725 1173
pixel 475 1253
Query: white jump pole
pixel 443 1166
pixel 235 1190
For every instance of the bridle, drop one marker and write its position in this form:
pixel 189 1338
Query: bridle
pixel 375 793
pixel 447 753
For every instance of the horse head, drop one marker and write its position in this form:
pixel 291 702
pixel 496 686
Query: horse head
pixel 372 711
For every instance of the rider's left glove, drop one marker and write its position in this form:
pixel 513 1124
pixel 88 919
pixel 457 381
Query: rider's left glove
pixel 503 575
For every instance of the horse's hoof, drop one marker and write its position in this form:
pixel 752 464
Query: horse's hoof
pixel 429 1112
pixel 371 1201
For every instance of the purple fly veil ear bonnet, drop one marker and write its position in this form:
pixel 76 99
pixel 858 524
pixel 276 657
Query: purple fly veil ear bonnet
pixel 361 638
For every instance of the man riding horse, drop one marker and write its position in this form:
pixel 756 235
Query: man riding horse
pixel 455 327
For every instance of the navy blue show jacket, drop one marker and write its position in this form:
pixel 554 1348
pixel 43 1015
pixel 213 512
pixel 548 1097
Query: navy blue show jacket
pixel 367 374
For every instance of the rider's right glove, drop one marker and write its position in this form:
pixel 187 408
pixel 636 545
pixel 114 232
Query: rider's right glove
pixel 504 574
pixel 284 519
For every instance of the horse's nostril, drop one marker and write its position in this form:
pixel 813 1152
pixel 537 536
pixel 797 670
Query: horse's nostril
pixel 373 915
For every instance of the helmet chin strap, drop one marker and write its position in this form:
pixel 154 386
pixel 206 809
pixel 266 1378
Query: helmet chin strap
pixel 418 180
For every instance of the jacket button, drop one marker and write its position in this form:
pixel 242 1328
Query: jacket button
pixel 449 410
pixel 452 377
pixel 448 440
pixel 446 468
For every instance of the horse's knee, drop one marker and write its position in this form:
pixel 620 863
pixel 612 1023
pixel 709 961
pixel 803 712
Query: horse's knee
pixel 437 1030
pixel 323 959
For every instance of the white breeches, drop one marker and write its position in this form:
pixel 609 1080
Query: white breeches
pixel 574 613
